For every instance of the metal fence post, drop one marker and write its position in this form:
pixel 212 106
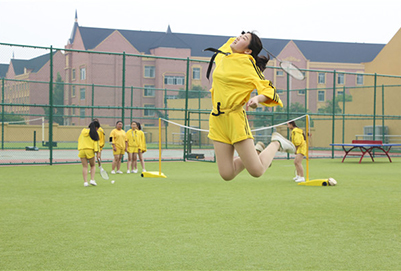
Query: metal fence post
pixel 123 91
pixel 51 107
pixel 186 107
pixel 374 107
pixel 2 113
pixel 334 108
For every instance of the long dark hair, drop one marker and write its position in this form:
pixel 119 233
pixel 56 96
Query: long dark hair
pixel 295 126
pixel 138 125
pixel 92 130
pixel 256 46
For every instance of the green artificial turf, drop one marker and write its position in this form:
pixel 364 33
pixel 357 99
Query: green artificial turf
pixel 195 220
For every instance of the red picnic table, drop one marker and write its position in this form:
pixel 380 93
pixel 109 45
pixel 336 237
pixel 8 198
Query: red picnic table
pixel 365 147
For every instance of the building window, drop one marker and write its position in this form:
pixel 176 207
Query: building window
pixel 82 93
pixel 149 112
pixel 73 111
pixel 73 74
pixel 301 92
pixel 82 113
pixel 149 91
pixel 196 73
pixel 174 80
pixel 320 96
pixel 340 79
pixel 340 92
pixel 279 73
pixel 73 91
pixel 321 78
pixel 82 72
pixel 359 79
pixel 150 71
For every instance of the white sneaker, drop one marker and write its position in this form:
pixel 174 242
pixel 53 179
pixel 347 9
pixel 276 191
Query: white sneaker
pixel 260 146
pixel 113 172
pixel 296 178
pixel 285 144
pixel 93 182
pixel 119 172
pixel 143 170
pixel 300 180
pixel 86 184
pixel 128 172
pixel 134 171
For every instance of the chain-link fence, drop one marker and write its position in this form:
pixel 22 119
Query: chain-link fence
pixel 49 95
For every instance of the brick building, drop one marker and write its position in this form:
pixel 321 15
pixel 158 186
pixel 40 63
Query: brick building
pixel 149 80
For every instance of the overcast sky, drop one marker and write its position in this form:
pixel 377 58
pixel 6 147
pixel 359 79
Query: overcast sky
pixel 50 22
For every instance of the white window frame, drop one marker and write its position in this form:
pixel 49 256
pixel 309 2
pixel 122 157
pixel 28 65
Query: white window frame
pixel 321 78
pixel 341 79
pixel 174 80
pixel 149 91
pixel 318 95
pixel 82 91
pixel 149 112
pixel 196 73
pixel 359 79
pixel 149 71
pixel 82 73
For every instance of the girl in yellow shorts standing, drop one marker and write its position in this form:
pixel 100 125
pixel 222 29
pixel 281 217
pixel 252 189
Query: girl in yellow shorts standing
pixel 118 142
pixel 142 146
pixel 133 144
pixel 238 72
pixel 88 145
pixel 299 140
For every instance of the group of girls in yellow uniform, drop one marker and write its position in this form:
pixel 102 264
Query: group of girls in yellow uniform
pixel 133 142
pixel 92 140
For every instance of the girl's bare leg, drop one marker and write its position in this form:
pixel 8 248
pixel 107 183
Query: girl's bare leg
pixel 135 161
pixel 93 167
pixel 298 164
pixel 140 155
pixel 84 162
pixel 256 165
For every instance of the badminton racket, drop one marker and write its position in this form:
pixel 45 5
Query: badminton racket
pixel 289 68
pixel 103 172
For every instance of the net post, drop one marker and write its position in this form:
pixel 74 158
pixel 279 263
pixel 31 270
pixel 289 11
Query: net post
pixel 160 146
pixel 307 147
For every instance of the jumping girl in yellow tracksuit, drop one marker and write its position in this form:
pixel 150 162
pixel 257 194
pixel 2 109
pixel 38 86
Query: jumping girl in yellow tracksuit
pixel 88 145
pixel 238 72
pixel 298 139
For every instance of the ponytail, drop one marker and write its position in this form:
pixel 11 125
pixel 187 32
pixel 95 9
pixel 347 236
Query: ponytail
pixel 92 130
pixel 256 46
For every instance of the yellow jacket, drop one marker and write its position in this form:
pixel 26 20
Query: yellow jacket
pixel 118 138
pixel 234 79
pixel 298 140
pixel 141 140
pixel 100 131
pixel 132 138
pixel 85 142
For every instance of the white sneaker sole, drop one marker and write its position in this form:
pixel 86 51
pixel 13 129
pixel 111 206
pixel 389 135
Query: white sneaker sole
pixel 285 144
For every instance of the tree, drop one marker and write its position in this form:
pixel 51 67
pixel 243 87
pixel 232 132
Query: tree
pixel 58 99
pixel 328 108
pixel 194 92
pixel 11 117
pixel 280 115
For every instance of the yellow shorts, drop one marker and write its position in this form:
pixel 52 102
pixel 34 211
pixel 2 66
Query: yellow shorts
pixel 301 149
pixel 132 149
pixel 87 153
pixel 230 127
pixel 119 151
